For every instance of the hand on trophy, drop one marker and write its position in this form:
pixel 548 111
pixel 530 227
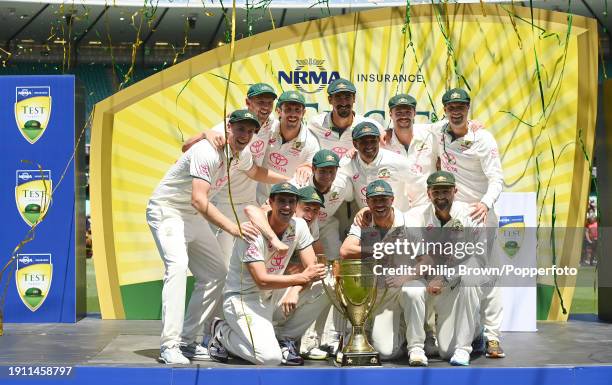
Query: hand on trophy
pixel 314 273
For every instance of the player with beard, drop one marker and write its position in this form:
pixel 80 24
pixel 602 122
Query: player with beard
pixel 184 239
pixel 387 225
pixel 260 326
pixel 333 129
pixel 290 145
pixel 456 298
pixel 372 163
pixel 472 157
pixel 416 143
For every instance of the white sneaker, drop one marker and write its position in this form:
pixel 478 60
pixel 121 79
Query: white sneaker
pixel 431 345
pixel 315 354
pixel 195 351
pixel 173 356
pixel 417 357
pixel 460 358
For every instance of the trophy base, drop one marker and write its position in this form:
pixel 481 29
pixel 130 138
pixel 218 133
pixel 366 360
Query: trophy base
pixel 357 359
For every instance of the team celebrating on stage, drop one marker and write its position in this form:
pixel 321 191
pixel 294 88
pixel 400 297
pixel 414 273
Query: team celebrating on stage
pixel 250 205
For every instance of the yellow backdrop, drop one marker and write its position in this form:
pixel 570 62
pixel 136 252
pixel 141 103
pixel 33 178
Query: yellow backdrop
pixel 138 132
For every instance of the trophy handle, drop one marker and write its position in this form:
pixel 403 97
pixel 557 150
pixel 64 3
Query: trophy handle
pixel 333 298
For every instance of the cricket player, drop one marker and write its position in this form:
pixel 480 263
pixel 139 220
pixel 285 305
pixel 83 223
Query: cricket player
pixel 414 142
pixel 289 143
pixel 408 299
pixel 457 299
pixel 178 214
pixel 417 144
pixel 260 324
pixel 333 129
pixel 473 158
pixel 260 102
pixel 336 188
pixel 373 163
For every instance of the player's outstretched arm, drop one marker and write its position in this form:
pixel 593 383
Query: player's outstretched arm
pixel 267 281
pixel 264 175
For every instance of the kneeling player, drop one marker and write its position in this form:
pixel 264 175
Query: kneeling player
pixel 255 288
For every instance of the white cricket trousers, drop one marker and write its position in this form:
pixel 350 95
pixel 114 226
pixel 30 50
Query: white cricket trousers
pixel 387 335
pixel 253 325
pixel 491 300
pixel 184 240
pixel 458 321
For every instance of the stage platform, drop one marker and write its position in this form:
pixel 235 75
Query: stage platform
pixel 125 352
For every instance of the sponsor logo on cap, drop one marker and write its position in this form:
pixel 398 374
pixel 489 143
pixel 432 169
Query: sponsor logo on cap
pixel 315 196
pixel 455 95
pixel 329 157
pixel 342 86
pixel 441 179
pixel 286 185
pixel 402 100
pixel 379 189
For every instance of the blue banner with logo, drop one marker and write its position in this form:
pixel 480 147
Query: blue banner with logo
pixel 39 126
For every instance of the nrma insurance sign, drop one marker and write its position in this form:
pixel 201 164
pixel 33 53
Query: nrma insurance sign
pixel 309 76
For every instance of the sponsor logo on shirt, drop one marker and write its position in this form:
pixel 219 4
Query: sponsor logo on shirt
pixel 334 196
pixel 356 176
pixel 327 133
pixel 494 153
pixel 257 147
pixel 322 215
pixel 363 191
pixel 278 161
pixel 340 151
pixel 277 262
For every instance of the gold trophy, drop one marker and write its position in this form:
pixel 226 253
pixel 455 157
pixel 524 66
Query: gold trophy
pixel 354 296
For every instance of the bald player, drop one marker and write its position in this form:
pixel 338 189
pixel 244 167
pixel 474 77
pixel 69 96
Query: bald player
pixel 178 214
